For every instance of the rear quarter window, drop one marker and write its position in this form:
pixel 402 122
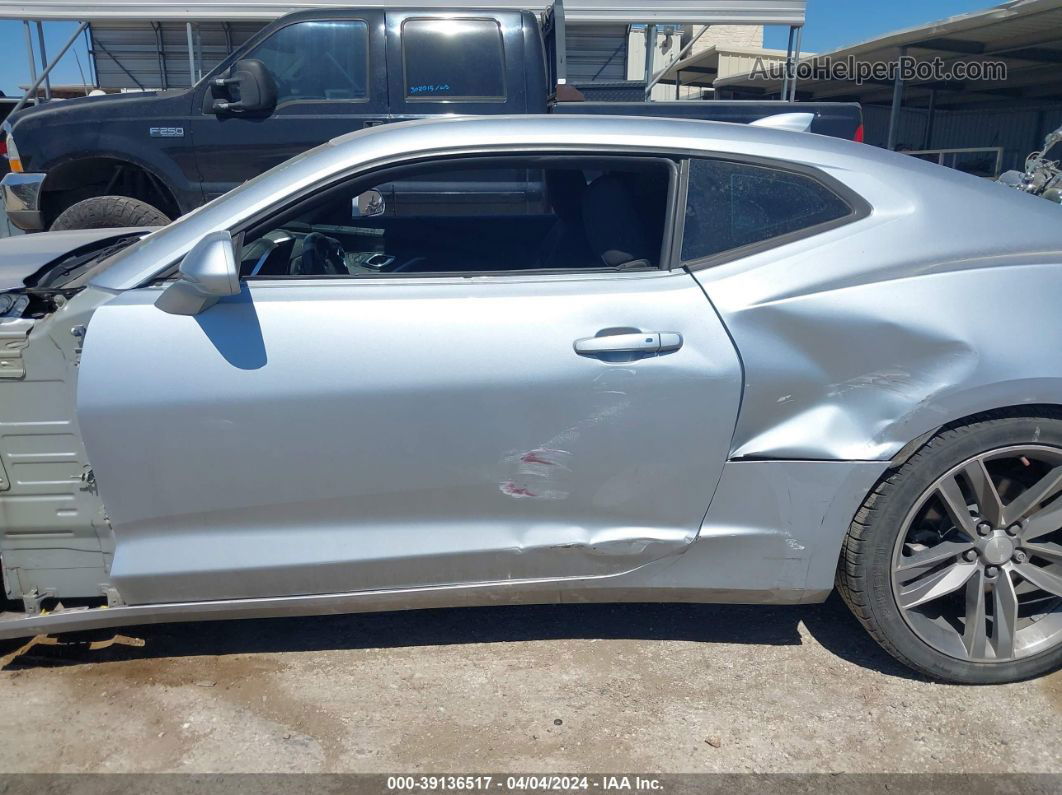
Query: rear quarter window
pixel 732 205
pixel 453 59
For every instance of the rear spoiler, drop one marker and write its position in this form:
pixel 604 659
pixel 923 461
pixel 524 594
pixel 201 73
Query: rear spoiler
pixel 794 122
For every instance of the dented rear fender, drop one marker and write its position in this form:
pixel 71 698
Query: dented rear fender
pixel 857 372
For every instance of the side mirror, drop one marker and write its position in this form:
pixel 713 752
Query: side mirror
pixel 207 272
pixel 369 204
pixel 256 90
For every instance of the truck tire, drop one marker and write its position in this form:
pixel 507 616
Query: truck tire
pixel 919 567
pixel 102 212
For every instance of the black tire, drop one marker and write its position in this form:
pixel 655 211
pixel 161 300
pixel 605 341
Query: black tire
pixel 865 571
pixel 103 212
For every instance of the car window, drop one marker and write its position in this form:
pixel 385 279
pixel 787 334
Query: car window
pixel 510 217
pixel 730 205
pixel 318 60
pixel 453 59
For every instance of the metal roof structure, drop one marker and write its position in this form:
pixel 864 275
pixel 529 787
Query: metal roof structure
pixel 707 12
pixel 704 68
pixel 164 44
pixel 1026 35
pixel 963 115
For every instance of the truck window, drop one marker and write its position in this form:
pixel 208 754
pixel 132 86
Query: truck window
pixel 321 60
pixel 453 59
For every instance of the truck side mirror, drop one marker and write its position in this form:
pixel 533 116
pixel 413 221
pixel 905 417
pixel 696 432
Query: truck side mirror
pixel 256 88
pixel 207 273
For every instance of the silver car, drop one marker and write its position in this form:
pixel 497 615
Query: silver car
pixel 552 359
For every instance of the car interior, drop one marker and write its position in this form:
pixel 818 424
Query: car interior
pixel 535 215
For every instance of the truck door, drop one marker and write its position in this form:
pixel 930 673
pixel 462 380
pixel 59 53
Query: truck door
pixel 330 72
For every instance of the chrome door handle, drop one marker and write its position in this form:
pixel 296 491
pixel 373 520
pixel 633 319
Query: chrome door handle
pixel 647 342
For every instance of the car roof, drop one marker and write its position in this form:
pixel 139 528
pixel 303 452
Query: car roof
pixel 551 129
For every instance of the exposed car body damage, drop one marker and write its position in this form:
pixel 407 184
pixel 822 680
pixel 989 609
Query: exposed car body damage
pixel 23 255
pixel 850 344
pixel 385 471
pixel 745 534
pixel 55 533
pixel 316 475
pixel 56 538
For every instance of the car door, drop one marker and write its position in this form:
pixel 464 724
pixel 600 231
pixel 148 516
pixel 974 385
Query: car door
pixel 328 434
pixel 330 75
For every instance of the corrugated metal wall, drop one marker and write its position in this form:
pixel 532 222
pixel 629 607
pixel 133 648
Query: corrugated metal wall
pixel 597 52
pixel 127 54
pixel 1019 132
pixel 734 63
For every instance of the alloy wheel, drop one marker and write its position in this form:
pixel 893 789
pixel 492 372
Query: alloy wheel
pixel 977 568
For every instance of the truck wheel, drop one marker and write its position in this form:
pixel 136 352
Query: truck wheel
pixel 101 212
pixel 953 562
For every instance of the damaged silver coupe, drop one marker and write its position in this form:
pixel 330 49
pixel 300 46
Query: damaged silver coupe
pixel 544 360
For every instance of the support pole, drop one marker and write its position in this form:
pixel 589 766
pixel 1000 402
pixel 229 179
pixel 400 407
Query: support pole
pixel 92 58
pixel 160 45
pixel 796 63
pixel 37 83
pixel 897 105
pixel 685 51
pixel 191 54
pixel 198 53
pixel 788 62
pixel 650 50
pixel 44 63
pixel 928 142
pixel 30 52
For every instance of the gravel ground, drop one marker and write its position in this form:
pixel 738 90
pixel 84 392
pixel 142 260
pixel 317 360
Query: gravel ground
pixel 672 688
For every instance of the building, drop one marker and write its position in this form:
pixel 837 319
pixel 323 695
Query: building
pixel 980 124
pixel 710 49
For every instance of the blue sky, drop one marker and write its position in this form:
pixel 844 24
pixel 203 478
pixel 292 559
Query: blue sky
pixel 831 24
pixel 835 23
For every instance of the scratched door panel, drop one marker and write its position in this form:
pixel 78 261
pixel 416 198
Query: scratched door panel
pixel 320 436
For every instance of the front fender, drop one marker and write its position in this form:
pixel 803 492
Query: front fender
pixel 116 127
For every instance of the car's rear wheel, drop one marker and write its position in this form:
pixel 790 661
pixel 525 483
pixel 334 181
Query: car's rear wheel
pixel 954 562
pixel 102 212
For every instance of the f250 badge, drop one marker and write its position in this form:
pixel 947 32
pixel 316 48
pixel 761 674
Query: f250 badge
pixel 166 132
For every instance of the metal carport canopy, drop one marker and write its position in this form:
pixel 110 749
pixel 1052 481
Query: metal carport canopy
pixel 1026 35
pixel 707 12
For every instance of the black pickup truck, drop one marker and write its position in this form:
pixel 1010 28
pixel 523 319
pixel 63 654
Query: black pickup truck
pixel 145 158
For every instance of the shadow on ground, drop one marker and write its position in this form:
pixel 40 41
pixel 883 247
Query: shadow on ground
pixel 831 624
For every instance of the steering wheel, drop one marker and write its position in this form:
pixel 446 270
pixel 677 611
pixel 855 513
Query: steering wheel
pixel 321 256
